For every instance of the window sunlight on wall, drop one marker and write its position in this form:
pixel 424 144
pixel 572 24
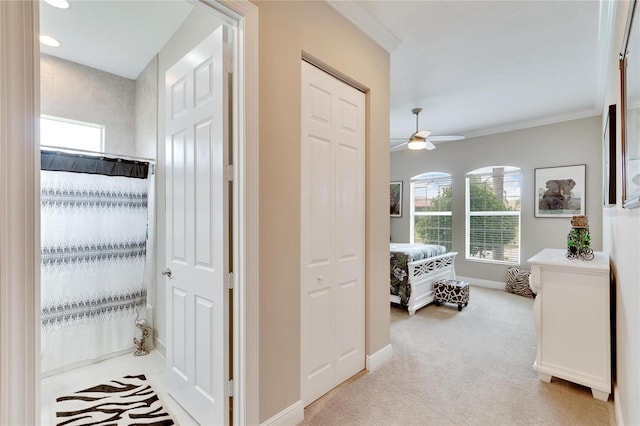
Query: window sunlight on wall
pixel 69 134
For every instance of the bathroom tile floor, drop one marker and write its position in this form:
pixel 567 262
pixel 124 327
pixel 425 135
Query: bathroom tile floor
pixel 152 365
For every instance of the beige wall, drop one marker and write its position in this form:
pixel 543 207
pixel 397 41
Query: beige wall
pixel 286 31
pixel 561 144
pixel 621 228
pixel 77 92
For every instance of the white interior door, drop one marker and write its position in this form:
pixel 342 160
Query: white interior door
pixel 332 232
pixel 197 231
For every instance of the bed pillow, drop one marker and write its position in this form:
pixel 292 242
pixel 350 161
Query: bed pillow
pixel 518 282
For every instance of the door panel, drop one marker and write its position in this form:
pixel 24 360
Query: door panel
pixel 332 232
pixel 197 231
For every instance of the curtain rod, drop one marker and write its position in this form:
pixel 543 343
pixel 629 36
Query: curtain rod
pixel 98 154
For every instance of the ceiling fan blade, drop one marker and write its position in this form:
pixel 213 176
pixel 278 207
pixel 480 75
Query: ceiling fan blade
pixel 430 146
pixel 423 134
pixel 399 146
pixel 446 138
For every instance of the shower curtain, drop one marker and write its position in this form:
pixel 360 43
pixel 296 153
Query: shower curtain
pixel 94 230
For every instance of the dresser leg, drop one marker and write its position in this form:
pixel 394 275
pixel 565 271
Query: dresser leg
pixel 544 377
pixel 597 394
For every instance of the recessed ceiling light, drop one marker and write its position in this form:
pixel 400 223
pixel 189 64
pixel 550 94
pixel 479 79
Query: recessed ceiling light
pixel 60 4
pixel 49 41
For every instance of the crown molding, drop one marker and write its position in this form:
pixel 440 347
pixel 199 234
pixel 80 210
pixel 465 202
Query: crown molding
pixel 591 112
pixel 521 125
pixel 367 24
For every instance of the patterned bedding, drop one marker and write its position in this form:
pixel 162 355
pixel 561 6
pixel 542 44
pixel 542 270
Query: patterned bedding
pixel 400 256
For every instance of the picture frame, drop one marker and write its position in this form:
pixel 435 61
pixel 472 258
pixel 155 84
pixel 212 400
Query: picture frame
pixel 630 109
pixel 395 199
pixel 560 191
pixel 609 187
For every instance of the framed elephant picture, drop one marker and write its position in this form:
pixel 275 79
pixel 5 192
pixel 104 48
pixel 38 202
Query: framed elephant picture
pixel 560 191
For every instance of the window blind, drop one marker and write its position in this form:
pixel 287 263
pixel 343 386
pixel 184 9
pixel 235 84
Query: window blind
pixel 431 209
pixel 493 215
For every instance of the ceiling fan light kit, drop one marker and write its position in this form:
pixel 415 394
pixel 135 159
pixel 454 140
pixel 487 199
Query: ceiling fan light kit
pixel 420 139
pixel 417 143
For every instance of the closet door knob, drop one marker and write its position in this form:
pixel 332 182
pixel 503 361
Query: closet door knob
pixel 167 272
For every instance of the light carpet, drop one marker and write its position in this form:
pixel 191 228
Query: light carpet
pixel 127 401
pixel 461 368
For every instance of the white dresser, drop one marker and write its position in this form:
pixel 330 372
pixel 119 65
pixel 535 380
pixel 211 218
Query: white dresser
pixel 572 319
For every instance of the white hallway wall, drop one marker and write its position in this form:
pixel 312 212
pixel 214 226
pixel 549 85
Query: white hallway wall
pixel 621 229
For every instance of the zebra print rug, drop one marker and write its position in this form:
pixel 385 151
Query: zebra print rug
pixel 127 401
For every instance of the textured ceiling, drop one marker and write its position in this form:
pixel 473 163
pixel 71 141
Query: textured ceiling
pixel 482 67
pixel 116 36
pixel 475 67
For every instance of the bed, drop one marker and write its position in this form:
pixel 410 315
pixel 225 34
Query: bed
pixel 413 270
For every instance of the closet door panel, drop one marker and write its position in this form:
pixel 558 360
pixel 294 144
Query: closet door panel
pixel 332 232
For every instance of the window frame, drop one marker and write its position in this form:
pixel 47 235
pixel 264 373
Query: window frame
pixel 492 213
pixel 437 176
pixel 100 127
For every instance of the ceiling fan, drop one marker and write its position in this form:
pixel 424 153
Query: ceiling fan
pixel 421 138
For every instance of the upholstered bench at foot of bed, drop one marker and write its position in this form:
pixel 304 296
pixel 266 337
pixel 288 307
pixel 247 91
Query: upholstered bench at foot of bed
pixel 451 291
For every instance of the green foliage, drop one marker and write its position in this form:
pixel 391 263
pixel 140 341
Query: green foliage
pixel 488 233
pixel 436 229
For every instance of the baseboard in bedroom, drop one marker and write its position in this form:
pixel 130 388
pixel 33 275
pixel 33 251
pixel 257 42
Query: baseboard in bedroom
pixel 380 357
pixel 292 415
pixel 482 283
pixel 617 409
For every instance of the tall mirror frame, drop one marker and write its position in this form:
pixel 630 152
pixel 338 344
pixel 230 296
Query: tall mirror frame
pixel 630 109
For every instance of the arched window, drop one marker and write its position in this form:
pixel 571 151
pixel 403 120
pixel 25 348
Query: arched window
pixel 493 215
pixel 431 209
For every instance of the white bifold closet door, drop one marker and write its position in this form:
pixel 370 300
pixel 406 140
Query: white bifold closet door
pixel 332 232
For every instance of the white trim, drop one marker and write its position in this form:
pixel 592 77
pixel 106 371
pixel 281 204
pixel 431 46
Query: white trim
pixel 482 283
pixel 246 206
pixel 377 359
pixel 367 24
pixel 159 346
pixel 527 124
pixel 617 408
pixel 605 49
pixel 19 214
pixel 292 415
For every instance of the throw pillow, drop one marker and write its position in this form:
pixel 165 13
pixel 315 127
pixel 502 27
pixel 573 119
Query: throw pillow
pixel 518 282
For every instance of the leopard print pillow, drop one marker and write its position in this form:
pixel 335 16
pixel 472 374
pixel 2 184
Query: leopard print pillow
pixel 518 282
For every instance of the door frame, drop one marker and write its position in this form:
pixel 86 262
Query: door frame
pixel 20 218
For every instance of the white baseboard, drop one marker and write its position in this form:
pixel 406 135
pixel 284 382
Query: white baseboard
pixel 617 409
pixel 377 359
pixel 292 415
pixel 482 283
pixel 86 362
pixel 160 347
